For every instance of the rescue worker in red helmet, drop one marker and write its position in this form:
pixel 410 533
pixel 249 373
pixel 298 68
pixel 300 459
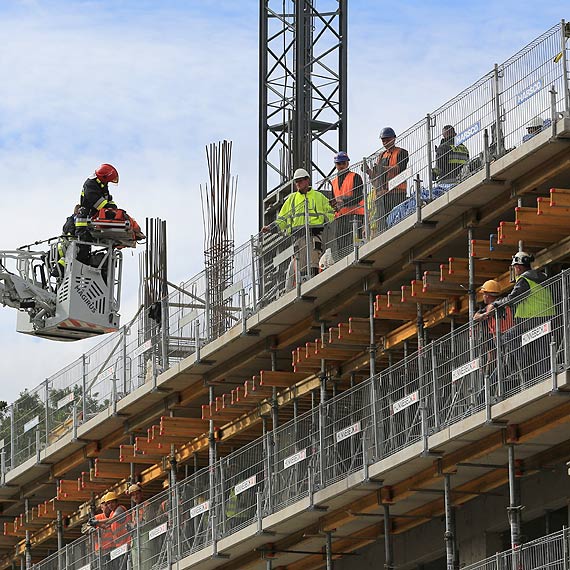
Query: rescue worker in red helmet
pixel 94 196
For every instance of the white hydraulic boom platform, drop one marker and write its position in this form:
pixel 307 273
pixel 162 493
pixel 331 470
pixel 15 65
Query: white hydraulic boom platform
pixel 68 301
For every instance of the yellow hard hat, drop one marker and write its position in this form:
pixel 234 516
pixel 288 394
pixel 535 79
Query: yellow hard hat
pixel 108 497
pixel 491 286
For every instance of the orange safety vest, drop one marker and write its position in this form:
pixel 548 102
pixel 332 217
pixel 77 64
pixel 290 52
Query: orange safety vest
pixel 345 191
pixel 103 536
pixel 506 320
pixel 119 528
pixel 393 155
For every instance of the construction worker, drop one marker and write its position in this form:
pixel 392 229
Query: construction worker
pixel 534 306
pixel 348 204
pixel 94 196
pixel 389 164
pixel 491 291
pixel 449 158
pixel 488 317
pixel 291 220
pixel 111 529
pixel 141 521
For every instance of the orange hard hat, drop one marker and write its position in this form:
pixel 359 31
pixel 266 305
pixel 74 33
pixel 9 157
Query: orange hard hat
pixel 491 286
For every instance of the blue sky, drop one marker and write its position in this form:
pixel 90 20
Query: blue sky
pixel 146 85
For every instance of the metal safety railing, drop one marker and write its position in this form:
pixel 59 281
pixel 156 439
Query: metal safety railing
pixel 551 552
pixel 452 378
pixel 490 118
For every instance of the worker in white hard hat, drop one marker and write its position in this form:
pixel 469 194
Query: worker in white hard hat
pixel 305 207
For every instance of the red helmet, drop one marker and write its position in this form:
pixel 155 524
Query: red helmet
pixel 107 173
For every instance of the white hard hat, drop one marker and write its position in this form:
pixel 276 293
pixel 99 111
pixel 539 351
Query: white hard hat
pixel 535 122
pixel 300 173
pixel 522 258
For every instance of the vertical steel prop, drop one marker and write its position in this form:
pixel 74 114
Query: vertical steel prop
pixel 514 508
pixel 388 550
pixel 449 536
pixel 328 550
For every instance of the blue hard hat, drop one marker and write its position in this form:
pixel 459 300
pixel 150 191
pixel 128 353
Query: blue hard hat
pixel 341 157
pixel 387 132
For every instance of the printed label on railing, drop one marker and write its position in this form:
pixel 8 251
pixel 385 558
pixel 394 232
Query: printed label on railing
pixel 529 91
pixel 115 553
pixel 157 531
pixel 462 371
pixel 347 432
pixel 397 180
pixel 199 509
pixel 536 333
pixel 142 348
pixel 245 485
pixel 86 567
pixel 405 402
pixel 294 459
pixel 105 374
pixel 468 133
pixel 65 400
pixel 31 424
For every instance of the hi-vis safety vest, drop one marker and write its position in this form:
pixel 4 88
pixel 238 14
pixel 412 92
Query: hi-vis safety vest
pixel 292 213
pixel 537 303
pixel 346 191
pixel 103 536
pixel 390 159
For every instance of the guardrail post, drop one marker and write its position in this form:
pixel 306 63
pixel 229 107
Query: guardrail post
pixel 355 240
pixel 296 262
pixel 269 468
pixel 243 312
pixel 253 273
pixel 497 110
pixel 114 394
pixel 197 339
pixel 38 444
pixel 3 467
pixel 84 386
pixel 47 410
pixel 418 193
pixel 565 548
pixel 429 155
pixel 307 238
pixel 259 511
pixel 434 379
pixel 124 355
pixel 74 421
pixel 12 438
pixel 563 38
pixel 553 370
pixel 365 194
pixel 565 319
pixel 424 426
pixel 500 356
pixel 553 112
pixel 164 332
pixel 487 155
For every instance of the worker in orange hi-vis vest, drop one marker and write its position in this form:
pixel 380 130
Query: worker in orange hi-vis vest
pixel 348 203
pixel 391 162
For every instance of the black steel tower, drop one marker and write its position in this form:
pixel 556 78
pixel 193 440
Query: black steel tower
pixel 302 92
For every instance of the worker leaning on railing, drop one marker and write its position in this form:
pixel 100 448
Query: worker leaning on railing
pixel 291 219
pixel 534 306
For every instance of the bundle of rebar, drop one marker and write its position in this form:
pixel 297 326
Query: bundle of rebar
pixel 218 211
pixel 153 268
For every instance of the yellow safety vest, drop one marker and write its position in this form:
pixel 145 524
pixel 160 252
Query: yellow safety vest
pixel 538 302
